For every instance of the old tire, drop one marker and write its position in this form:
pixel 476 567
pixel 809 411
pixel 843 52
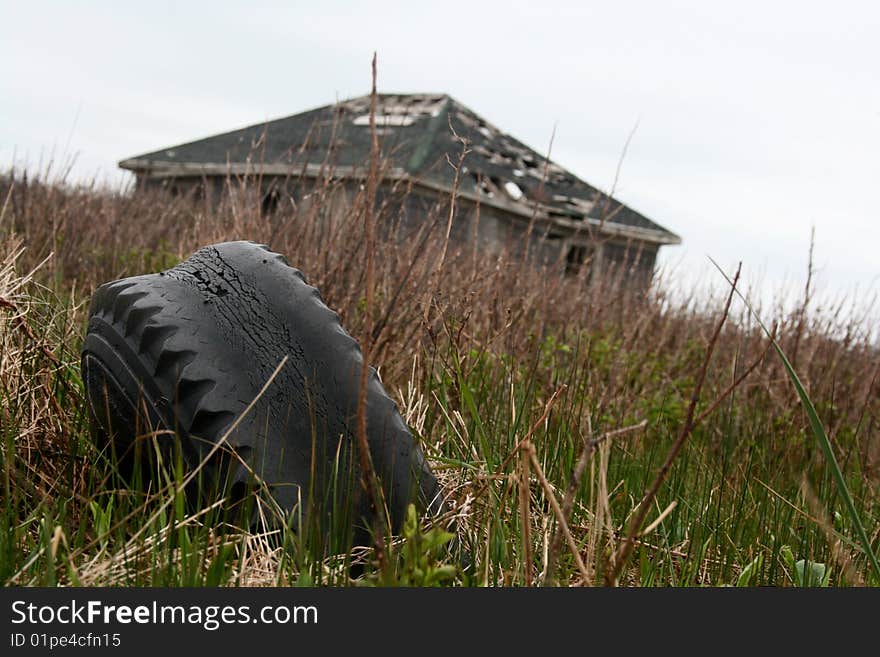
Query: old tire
pixel 186 351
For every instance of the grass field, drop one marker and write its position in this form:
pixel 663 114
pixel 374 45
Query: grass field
pixel 547 406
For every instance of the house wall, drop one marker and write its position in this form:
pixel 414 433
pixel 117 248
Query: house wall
pixel 490 228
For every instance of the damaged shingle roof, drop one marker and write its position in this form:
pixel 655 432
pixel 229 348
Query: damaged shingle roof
pixel 416 133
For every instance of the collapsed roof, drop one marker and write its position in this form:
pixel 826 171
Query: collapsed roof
pixel 418 137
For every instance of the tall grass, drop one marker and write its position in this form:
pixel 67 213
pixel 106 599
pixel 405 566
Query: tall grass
pixel 547 405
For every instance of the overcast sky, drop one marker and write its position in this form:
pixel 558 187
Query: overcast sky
pixel 754 121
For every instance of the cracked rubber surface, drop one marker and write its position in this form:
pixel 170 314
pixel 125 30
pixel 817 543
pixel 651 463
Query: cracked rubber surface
pixel 188 349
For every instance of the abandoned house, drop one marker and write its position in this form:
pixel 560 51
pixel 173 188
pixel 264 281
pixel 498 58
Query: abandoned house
pixel 505 190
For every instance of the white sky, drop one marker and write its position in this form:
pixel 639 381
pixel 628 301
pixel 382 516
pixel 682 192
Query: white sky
pixel 755 121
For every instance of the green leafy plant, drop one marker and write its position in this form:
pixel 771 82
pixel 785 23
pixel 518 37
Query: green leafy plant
pixel 804 572
pixel 751 572
pixel 102 517
pixel 422 553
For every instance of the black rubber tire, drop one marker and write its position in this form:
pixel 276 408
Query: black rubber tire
pixel 187 350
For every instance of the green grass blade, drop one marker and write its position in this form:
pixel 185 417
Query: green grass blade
pixel 820 435
pixel 819 432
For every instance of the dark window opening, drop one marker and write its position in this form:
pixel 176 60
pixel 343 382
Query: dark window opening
pixel 575 258
pixel 270 202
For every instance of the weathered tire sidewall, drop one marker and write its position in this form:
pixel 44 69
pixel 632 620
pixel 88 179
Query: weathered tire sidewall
pixel 191 348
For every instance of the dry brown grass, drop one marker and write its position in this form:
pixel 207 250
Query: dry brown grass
pixel 441 315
